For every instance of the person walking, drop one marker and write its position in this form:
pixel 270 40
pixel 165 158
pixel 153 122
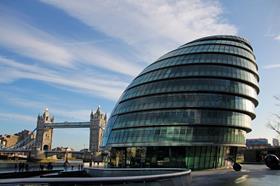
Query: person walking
pixel 20 167
pixel 65 165
pixel 26 167
pixel 16 167
pixel 41 167
pixel 49 166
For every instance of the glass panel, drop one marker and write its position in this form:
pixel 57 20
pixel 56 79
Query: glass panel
pixel 195 70
pixel 206 48
pixel 203 58
pixel 202 100
pixel 164 135
pixel 188 85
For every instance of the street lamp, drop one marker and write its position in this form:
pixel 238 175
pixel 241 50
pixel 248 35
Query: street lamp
pixel 91 157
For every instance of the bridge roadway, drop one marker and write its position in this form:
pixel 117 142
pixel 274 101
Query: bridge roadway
pixel 67 124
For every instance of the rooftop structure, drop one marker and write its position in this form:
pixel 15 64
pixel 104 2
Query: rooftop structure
pixel 257 143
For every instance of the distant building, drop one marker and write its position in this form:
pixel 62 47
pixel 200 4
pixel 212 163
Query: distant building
pixel 25 134
pixel 63 149
pixel 98 122
pixel 257 143
pixel 84 150
pixel 275 142
pixel 9 140
pixel 44 135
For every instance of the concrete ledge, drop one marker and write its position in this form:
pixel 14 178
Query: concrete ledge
pixel 26 174
pixel 115 172
pixel 179 177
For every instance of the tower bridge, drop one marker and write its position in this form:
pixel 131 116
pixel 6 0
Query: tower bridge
pixel 67 124
pixel 42 142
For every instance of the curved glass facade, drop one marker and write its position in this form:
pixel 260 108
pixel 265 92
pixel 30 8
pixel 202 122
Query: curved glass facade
pixel 192 85
pixel 222 72
pixel 190 108
pixel 186 117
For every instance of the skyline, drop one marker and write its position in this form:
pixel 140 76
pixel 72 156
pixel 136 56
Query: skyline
pixel 72 57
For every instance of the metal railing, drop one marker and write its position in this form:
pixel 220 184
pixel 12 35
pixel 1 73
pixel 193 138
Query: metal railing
pixel 181 178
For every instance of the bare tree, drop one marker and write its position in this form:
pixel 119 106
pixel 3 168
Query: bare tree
pixel 275 125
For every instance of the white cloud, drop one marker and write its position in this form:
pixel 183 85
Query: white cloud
pixel 24 103
pixel 91 55
pixel 58 111
pixel 28 41
pixel 151 27
pixel 91 84
pixel 61 111
pixel 271 66
pixel 6 116
pixel 277 37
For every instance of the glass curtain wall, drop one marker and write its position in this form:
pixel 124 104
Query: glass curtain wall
pixel 191 108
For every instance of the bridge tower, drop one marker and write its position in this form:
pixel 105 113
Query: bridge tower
pixel 44 135
pixel 97 125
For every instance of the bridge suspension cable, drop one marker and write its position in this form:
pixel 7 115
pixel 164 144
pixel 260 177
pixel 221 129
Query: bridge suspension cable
pixel 27 141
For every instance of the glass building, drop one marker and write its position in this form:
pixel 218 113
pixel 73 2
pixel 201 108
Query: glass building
pixel 191 108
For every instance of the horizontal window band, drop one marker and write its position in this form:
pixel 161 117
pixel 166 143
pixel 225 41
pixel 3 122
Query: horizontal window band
pixel 183 143
pixel 247 129
pixel 251 114
pixel 198 77
pixel 196 70
pixel 253 99
pixel 219 44
pixel 219 41
pixel 206 52
pixel 181 117
pixel 203 53
pixel 226 38
pixel 220 111
pixel 202 63
pixel 215 48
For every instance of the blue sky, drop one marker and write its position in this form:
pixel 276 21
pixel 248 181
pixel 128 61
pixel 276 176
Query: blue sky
pixel 72 56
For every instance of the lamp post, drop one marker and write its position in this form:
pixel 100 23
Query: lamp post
pixel 90 163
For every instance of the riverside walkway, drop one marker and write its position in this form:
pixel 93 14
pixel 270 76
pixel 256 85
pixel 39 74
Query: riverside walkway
pixel 250 175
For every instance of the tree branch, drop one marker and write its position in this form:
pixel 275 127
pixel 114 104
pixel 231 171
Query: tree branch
pixel 274 127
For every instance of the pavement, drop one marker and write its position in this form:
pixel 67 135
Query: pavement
pixel 250 175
